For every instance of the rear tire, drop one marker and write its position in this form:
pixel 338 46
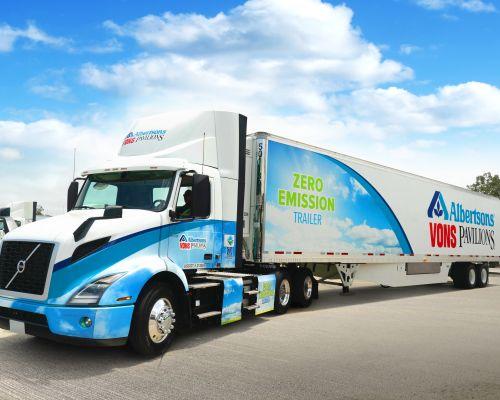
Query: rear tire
pixel 153 323
pixel 302 290
pixel 283 294
pixel 482 276
pixel 464 277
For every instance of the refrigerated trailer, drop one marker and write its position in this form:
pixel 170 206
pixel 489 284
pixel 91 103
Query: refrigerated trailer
pixel 200 222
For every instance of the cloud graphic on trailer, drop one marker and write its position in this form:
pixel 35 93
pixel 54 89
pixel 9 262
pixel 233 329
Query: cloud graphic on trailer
pixel 372 226
pixel 334 234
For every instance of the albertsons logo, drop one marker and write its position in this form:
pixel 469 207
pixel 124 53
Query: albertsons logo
pixel 192 243
pixel 455 234
pixel 183 243
pixel 437 207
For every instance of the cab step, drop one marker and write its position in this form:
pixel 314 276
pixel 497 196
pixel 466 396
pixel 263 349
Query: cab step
pixel 203 285
pixel 209 314
pixel 251 292
pixel 251 307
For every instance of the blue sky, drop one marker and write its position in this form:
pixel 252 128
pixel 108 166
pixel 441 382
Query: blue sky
pixel 413 84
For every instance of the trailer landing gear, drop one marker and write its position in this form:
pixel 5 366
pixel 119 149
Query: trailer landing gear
pixel 346 272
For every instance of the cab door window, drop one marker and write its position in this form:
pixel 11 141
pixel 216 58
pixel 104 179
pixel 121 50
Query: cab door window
pixel 183 207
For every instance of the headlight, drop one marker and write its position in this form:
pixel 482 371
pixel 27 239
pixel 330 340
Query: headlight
pixel 91 294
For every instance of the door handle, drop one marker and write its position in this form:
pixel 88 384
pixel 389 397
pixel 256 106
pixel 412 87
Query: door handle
pixel 207 256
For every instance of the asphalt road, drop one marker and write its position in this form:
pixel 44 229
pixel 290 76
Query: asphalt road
pixel 429 342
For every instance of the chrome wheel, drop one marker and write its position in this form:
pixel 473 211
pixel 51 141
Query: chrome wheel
pixel 161 320
pixel 308 287
pixel 284 292
pixel 472 277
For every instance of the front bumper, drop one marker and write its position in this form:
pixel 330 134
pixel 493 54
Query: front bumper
pixel 110 325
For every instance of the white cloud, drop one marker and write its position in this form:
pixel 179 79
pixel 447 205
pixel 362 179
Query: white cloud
pixel 333 234
pixel 399 111
pixel 408 49
pixel 10 35
pixel 467 5
pixel 106 47
pixel 48 145
pixel 9 153
pixel 373 236
pixel 51 91
pixel 290 53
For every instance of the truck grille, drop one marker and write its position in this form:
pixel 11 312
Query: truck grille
pixel 32 279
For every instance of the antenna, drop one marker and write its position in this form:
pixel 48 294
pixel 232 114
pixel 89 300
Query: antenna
pixel 203 157
pixel 74 162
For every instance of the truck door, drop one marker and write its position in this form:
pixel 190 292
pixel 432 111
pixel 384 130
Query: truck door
pixel 189 241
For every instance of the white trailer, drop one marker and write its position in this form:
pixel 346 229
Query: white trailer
pixel 347 218
pixel 199 222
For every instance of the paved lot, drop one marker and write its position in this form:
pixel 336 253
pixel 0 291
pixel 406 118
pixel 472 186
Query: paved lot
pixel 431 342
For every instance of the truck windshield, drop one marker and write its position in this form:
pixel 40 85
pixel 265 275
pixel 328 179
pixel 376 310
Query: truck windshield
pixel 144 190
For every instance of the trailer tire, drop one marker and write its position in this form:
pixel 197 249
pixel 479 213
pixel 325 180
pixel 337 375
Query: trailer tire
pixel 465 277
pixel 283 294
pixel 482 276
pixel 153 322
pixel 302 289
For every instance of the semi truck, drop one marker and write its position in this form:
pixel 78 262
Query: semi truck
pixel 198 222
pixel 16 214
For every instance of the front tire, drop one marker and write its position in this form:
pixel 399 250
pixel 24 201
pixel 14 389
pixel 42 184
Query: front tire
pixel 153 323
pixel 283 294
pixel 482 276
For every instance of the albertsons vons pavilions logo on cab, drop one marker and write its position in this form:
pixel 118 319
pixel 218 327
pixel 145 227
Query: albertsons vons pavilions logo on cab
pixel 145 136
pixel 192 243
pixel 461 225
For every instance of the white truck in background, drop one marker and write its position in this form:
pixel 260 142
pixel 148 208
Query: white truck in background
pixel 199 222
pixel 15 215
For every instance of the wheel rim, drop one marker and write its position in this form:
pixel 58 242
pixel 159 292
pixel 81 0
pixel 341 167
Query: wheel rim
pixel 308 287
pixel 284 292
pixel 161 320
pixel 472 276
pixel 484 276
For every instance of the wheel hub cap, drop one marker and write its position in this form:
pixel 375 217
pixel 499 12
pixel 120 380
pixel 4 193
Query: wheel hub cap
pixel 284 292
pixel 161 320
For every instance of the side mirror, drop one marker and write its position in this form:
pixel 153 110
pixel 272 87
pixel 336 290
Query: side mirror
pixel 172 214
pixel 72 195
pixel 201 196
pixel 113 212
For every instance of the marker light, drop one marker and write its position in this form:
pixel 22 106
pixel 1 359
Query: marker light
pixel 91 294
pixel 85 322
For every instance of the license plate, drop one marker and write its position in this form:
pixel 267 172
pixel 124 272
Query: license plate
pixel 17 327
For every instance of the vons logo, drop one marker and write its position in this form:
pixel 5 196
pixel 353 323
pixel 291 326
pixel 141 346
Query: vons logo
pixel 450 235
pixel 183 243
pixel 192 243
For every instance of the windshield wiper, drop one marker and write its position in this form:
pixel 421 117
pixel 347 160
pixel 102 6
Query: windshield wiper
pixel 84 208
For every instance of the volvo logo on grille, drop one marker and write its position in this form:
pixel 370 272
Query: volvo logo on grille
pixel 21 266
